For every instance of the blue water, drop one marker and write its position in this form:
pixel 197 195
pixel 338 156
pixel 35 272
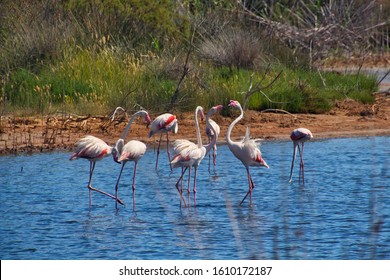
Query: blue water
pixel 341 212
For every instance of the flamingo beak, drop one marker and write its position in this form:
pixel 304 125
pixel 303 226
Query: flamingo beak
pixel 147 120
pixel 116 160
pixel 263 163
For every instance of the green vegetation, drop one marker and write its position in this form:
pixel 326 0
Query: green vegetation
pixel 87 57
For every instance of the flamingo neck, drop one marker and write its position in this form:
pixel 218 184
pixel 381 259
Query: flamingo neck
pixel 214 140
pixel 126 131
pixel 228 139
pixel 198 136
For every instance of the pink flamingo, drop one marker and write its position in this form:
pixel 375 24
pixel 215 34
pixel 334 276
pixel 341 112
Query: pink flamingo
pixel 246 150
pixel 132 151
pixel 93 149
pixel 184 145
pixel 299 136
pixel 189 154
pixel 210 135
pixel 163 124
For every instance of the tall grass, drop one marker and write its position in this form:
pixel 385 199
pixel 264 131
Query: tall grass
pixel 91 81
pixel 56 58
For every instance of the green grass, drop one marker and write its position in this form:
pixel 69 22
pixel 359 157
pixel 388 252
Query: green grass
pixel 305 91
pixel 96 80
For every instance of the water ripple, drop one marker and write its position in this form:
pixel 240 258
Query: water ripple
pixel 342 211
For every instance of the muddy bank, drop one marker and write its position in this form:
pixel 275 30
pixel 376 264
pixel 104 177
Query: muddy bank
pixel 60 132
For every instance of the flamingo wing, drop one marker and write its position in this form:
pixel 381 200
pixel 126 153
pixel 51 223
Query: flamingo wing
pixel 182 144
pixel 164 122
pixel 92 148
pixel 132 151
pixel 189 156
pixel 301 134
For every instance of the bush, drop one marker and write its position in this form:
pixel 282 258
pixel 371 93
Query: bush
pixel 233 47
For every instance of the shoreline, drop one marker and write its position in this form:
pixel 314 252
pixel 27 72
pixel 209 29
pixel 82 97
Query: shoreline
pixel 58 133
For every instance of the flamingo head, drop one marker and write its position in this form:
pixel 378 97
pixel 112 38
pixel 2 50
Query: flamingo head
pixel 147 120
pixel 234 103
pixel 117 150
pixel 202 115
pixel 217 108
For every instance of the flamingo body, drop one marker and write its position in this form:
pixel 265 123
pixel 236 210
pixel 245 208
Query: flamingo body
pixel 132 151
pixel 92 149
pixel 189 154
pixel 299 136
pixel 246 150
pixel 163 124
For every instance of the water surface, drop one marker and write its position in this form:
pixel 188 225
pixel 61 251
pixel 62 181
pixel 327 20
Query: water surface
pixel 341 212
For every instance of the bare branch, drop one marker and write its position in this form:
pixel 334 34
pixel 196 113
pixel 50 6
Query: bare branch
pixel 259 88
pixel 186 70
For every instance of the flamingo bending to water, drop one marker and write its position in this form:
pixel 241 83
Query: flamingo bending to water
pixel 299 136
pixel 163 124
pixel 189 154
pixel 93 149
pixel 132 151
pixel 246 150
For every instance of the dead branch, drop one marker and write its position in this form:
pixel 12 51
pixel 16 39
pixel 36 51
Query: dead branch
pixel 278 111
pixel 259 87
pixel 186 70
pixel 336 27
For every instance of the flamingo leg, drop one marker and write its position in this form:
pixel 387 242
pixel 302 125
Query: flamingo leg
pixel 251 187
pixel 188 187
pixel 209 157
pixel 177 186
pixel 209 163
pixel 117 186
pixel 189 181
pixel 196 171
pixel 292 163
pixel 133 185
pixel 158 150
pixel 134 174
pixel 181 182
pixel 215 155
pixel 301 165
pixel 169 152
pixel 91 168
pixel 107 194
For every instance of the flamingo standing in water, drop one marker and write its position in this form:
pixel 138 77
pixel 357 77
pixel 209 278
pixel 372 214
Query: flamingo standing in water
pixel 93 149
pixel 299 136
pixel 163 124
pixel 246 150
pixel 132 151
pixel 184 145
pixel 189 154
pixel 210 135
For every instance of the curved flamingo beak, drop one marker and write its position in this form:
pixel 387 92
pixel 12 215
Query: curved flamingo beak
pixel 202 115
pixel 115 157
pixel 147 120
pixel 218 107
pixel 232 103
pixel 262 161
